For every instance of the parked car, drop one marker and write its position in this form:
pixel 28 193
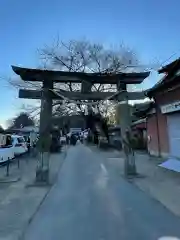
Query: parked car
pixel 19 145
pixel 6 149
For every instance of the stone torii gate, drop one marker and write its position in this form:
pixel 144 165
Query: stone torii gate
pixel 48 93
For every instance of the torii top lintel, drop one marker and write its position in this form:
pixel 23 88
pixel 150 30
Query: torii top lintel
pixel 28 74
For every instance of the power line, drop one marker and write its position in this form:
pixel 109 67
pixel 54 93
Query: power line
pixel 154 66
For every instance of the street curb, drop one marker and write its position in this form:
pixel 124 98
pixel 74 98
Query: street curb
pixel 21 237
pixel 13 180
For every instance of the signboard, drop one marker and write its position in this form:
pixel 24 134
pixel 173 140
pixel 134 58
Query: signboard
pixel 172 107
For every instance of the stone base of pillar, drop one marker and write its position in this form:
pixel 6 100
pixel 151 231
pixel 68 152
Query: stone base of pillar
pixel 42 171
pixel 42 175
pixel 130 166
pixel 131 171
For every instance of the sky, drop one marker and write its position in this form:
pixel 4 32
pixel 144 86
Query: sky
pixel 151 28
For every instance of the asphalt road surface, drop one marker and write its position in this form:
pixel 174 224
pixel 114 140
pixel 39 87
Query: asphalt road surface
pixel 91 201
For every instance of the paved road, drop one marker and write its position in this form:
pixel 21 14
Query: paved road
pixel 90 201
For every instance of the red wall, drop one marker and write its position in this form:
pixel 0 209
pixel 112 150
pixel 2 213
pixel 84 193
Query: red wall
pixel 157 130
pixel 152 133
pixel 160 145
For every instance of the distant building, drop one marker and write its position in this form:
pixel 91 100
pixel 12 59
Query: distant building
pixel 73 121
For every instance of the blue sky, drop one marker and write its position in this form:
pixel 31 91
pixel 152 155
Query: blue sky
pixel 150 27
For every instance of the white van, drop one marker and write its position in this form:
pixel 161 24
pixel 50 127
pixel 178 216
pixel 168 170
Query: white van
pixel 19 145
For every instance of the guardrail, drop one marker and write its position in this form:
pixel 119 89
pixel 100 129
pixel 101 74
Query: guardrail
pixel 7 163
pixel 16 160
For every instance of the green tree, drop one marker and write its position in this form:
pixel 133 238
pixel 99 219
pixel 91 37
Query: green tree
pixel 22 120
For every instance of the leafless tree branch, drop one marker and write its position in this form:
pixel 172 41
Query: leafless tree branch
pixel 80 56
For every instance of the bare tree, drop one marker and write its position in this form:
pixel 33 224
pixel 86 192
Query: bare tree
pixel 81 56
pixel 84 56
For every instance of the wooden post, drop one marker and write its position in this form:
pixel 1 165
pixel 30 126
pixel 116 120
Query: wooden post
pixel 125 124
pixel 42 171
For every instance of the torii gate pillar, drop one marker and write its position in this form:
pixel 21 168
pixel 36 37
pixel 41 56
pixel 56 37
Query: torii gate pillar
pixel 125 123
pixel 42 171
